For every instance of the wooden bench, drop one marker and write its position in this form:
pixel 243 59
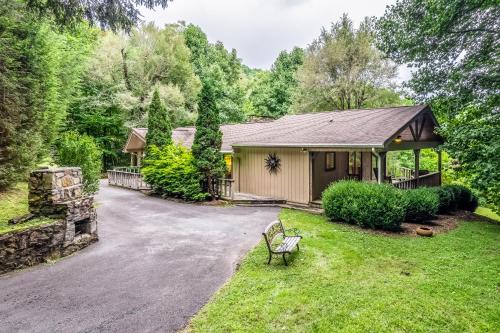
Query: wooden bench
pixel 274 230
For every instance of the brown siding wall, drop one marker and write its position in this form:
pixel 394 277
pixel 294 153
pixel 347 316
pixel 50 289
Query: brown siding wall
pixel 366 163
pixel 290 183
pixel 323 178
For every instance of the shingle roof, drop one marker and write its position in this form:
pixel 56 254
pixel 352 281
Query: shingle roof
pixel 364 127
pixel 351 128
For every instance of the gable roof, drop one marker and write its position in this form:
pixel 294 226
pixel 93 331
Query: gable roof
pixel 363 128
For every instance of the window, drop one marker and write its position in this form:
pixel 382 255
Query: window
pixel 354 163
pixel 329 161
pixel 229 165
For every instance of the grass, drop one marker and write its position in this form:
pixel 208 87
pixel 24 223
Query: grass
pixel 486 212
pixel 347 280
pixel 14 202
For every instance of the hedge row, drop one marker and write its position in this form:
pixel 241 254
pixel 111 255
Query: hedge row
pixel 383 206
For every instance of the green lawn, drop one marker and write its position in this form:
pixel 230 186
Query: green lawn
pixel 345 279
pixel 486 212
pixel 14 203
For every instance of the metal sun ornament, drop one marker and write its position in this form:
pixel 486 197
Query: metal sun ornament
pixel 273 163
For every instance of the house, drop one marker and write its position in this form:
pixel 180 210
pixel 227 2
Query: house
pixel 294 158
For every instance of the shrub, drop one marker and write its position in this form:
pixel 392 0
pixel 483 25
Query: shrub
pixel 463 197
pixel 421 204
pixel 171 172
pixel 365 204
pixel 75 150
pixel 446 199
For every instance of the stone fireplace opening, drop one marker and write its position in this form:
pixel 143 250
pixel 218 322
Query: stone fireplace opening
pixel 82 227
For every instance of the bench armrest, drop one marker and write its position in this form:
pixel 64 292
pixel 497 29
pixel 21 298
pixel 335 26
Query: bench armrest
pixel 294 231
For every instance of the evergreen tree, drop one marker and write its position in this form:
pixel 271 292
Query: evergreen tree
pixel 208 138
pixel 159 127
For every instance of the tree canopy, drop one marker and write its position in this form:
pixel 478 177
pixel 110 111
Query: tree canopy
pixel 114 15
pixel 453 47
pixel 343 69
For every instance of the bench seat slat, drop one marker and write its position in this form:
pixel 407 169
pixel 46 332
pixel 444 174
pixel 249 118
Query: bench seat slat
pixel 288 244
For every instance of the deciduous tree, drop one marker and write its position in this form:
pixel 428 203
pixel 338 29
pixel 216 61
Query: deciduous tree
pixel 453 47
pixel 342 69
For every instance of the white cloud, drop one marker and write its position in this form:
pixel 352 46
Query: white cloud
pixel 260 29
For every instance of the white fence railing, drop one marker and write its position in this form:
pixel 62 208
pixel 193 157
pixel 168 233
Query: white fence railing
pixel 129 179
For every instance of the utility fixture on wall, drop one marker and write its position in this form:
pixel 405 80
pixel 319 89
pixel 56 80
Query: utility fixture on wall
pixel 272 163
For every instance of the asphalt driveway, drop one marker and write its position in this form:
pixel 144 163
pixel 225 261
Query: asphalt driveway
pixel 156 264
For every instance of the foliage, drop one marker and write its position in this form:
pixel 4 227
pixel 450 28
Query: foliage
pixel 463 198
pixel 421 204
pixel 40 70
pixel 446 197
pixel 76 150
pixel 208 137
pixel 97 113
pixel 204 56
pixel 453 45
pixel 273 92
pixel 115 15
pixel 347 280
pixel 343 70
pixel 171 172
pixel 159 127
pixel 365 204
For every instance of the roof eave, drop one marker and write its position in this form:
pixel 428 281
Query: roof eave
pixel 311 145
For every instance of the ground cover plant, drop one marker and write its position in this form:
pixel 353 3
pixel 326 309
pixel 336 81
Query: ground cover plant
pixel 347 279
pixel 13 203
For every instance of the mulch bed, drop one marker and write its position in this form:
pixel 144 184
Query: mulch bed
pixel 443 223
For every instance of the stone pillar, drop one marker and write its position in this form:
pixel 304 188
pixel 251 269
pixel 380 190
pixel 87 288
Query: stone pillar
pixel 58 193
pixel 50 187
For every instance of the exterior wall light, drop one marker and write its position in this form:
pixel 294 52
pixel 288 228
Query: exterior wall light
pixel 398 139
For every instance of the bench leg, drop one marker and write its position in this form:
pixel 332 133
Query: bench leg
pixel 298 248
pixel 284 259
pixel 270 257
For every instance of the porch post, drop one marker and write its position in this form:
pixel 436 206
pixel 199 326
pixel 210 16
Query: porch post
pixel 417 165
pixel 131 159
pixel 381 166
pixel 139 157
pixel 440 166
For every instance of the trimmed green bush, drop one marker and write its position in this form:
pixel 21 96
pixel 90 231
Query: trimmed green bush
pixel 376 206
pixel 421 204
pixel 446 199
pixel 75 150
pixel 463 197
pixel 172 173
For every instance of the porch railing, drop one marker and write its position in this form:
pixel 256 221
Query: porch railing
pixel 225 188
pixel 428 180
pixel 128 177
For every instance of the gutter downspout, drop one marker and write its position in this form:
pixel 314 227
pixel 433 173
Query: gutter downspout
pixel 379 166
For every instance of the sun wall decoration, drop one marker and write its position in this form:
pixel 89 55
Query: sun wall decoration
pixel 272 163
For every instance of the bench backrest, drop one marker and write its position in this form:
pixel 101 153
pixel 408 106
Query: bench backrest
pixel 272 231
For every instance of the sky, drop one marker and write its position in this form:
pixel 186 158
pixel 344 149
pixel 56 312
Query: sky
pixel 260 29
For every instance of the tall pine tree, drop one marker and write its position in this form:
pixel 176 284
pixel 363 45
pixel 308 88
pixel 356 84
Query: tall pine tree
pixel 159 127
pixel 208 138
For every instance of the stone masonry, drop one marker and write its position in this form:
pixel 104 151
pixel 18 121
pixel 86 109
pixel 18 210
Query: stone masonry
pixel 58 194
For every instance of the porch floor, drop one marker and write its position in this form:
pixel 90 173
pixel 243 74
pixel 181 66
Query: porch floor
pixel 248 198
